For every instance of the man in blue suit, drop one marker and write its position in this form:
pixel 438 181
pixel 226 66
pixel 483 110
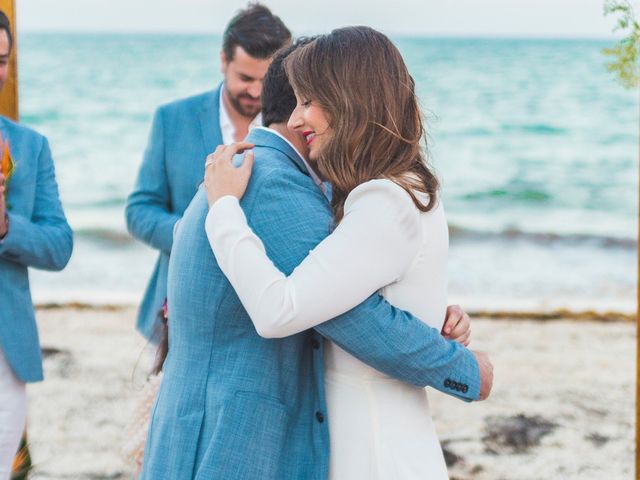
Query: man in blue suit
pixel 33 233
pixel 186 131
pixel 234 405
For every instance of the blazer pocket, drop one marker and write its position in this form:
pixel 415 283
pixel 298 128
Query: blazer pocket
pixel 249 441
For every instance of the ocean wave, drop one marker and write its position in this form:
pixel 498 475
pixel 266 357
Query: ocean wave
pixel 535 128
pixel 457 232
pixel 103 203
pixel 487 131
pixel 476 132
pixel 104 235
pixel 619 139
pixel 41 117
pixel 518 194
pixel 116 238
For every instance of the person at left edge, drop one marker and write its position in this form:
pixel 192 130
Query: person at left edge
pixel 185 132
pixel 33 233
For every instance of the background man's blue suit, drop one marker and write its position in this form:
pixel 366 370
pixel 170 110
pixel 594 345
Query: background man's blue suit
pixel 39 236
pixel 233 405
pixel 182 135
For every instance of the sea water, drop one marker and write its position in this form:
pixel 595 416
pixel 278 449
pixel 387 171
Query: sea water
pixel 534 142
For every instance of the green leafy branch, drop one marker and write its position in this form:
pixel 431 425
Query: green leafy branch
pixel 625 58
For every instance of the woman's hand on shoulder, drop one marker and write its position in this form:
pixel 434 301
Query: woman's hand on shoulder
pixel 221 177
pixel 457 325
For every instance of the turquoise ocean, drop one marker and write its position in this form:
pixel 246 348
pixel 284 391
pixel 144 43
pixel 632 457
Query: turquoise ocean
pixel 534 142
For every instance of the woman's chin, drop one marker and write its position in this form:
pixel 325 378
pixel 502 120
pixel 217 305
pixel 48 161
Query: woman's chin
pixel 314 153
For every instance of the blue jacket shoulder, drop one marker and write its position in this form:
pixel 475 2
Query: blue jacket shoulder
pixel 15 130
pixel 189 104
pixel 269 162
pixel 277 172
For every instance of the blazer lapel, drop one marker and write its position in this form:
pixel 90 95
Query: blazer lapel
pixel 210 121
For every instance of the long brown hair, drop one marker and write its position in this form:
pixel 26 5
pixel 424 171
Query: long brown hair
pixel 360 79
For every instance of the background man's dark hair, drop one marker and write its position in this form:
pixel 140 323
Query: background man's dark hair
pixel 278 99
pixel 6 26
pixel 257 31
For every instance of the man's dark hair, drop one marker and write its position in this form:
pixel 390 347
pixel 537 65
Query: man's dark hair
pixel 259 32
pixel 278 99
pixel 6 26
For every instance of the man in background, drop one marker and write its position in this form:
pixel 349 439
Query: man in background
pixel 33 233
pixel 185 132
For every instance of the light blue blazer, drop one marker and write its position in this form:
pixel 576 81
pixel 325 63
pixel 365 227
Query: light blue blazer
pixel 182 135
pixel 39 236
pixel 233 405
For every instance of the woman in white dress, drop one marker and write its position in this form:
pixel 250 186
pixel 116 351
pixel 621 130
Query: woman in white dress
pixel 357 109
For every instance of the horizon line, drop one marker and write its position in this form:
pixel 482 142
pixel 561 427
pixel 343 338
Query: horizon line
pixel 452 36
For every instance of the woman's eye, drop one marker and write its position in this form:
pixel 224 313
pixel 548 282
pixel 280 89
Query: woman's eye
pixel 306 104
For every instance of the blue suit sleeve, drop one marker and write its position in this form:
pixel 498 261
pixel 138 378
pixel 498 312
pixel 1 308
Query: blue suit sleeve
pixel 149 212
pixel 45 240
pixel 291 219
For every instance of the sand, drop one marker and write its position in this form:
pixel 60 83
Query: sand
pixel 562 405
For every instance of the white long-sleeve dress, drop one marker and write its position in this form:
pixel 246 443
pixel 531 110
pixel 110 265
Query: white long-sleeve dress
pixel 380 428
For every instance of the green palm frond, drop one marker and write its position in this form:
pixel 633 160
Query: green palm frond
pixel 625 58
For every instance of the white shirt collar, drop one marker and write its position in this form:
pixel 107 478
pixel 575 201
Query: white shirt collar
pixel 226 126
pixel 316 179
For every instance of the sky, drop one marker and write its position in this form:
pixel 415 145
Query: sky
pixel 520 18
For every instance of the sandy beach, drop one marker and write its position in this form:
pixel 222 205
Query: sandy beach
pixel 562 405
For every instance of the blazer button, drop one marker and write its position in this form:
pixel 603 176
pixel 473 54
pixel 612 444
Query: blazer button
pixel 315 344
pixel 447 383
pixel 319 417
pixel 465 388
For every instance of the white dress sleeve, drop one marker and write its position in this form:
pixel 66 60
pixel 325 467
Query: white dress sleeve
pixel 374 244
